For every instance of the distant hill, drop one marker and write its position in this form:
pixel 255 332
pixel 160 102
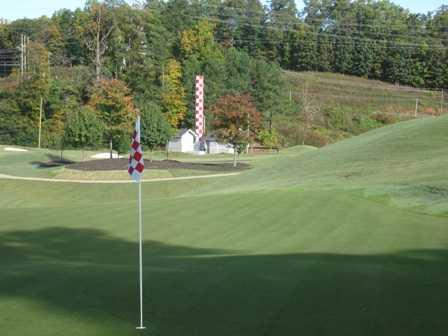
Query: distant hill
pixel 334 106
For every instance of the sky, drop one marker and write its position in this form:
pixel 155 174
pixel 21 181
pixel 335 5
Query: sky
pixel 15 9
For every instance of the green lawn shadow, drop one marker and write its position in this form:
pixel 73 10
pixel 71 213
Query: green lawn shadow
pixel 192 291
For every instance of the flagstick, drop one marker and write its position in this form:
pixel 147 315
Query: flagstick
pixel 140 251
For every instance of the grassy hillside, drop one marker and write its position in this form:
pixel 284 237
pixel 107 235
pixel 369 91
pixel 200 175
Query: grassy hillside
pixel 408 159
pixel 335 106
pixel 312 242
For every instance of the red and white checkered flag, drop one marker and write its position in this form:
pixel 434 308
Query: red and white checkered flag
pixel 136 165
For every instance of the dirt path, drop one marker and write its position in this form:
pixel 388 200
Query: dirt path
pixel 41 179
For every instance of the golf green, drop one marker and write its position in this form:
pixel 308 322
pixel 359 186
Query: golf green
pixel 350 239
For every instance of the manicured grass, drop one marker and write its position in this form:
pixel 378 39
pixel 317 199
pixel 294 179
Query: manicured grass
pixel 309 242
pixel 26 164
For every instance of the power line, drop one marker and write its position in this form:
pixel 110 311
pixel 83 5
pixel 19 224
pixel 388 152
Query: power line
pixel 325 34
pixel 335 25
pixel 243 12
pixel 330 23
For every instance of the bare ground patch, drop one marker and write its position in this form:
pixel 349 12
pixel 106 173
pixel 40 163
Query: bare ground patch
pixel 121 164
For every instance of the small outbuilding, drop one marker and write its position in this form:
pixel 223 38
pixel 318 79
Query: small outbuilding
pixel 186 141
pixel 216 147
pixel 183 142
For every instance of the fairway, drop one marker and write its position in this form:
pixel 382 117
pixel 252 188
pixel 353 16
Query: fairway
pixel 350 239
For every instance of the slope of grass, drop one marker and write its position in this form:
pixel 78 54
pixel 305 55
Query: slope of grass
pixel 330 107
pixel 300 244
pixel 407 161
pixel 363 95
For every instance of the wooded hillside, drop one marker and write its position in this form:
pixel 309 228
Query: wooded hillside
pixel 145 58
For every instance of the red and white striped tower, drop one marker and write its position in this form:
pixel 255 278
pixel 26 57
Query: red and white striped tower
pixel 200 125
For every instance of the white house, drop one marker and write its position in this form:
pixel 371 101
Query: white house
pixel 215 147
pixel 182 142
pixel 186 141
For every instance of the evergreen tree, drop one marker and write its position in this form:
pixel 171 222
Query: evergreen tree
pixel 156 130
pixel 83 129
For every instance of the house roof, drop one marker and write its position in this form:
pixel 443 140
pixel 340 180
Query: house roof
pixel 211 138
pixel 180 133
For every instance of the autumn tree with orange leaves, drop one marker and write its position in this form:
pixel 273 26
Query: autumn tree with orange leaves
pixel 236 121
pixel 113 102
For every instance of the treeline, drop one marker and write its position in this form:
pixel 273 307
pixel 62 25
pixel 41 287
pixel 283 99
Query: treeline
pixel 375 39
pixel 145 58
pixel 97 67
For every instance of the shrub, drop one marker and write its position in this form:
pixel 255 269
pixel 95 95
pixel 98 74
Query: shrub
pixel 363 123
pixel 269 138
pixel 384 118
pixel 317 137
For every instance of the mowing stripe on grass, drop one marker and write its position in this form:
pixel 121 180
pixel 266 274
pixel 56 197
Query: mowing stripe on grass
pixel 41 179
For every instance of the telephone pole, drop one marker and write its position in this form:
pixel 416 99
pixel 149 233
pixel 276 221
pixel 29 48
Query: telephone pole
pixel 305 113
pixel 22 55
pixel 25 55
pixel 248 133
pixel 40 120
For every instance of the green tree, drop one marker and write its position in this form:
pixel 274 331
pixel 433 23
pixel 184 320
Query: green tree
pixel 173 94
pixel 51 37
pixel 53 131
pixel 304 49
pixel 282 21
pixel 156 131
pixel 83 129
pixel 112 101
pixel 147 54
pixel 240 25
pixel 238 70
pixel 199 41
pixel 269 138
pixel 70 26
pixel 267 89
pixel 15 126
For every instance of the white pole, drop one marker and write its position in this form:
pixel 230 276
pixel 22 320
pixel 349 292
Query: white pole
pixel 40 120
pixel 22 49
pixel 25 54
pixel 140 252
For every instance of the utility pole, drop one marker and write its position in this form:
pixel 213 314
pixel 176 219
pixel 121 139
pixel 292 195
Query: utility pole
pixel 305 112
pixel 290 96
pixel 416 108
pixel 40 120
pixel 22 55
pixel 248 133
pixel 25 55
pixel 98 46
